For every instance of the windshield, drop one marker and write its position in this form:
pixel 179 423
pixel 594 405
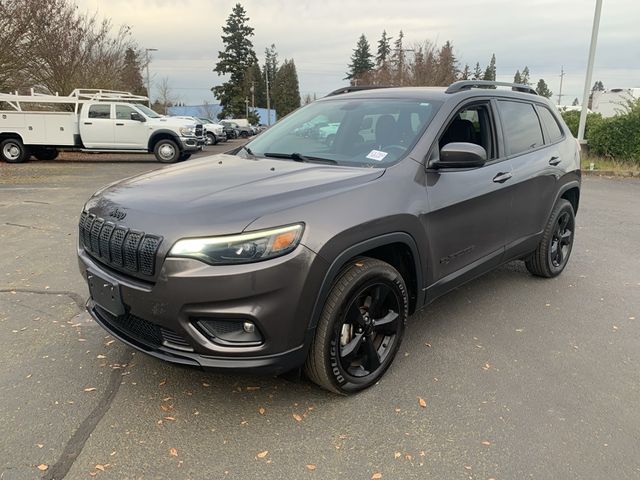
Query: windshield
pixel 363 132
pixel 147 111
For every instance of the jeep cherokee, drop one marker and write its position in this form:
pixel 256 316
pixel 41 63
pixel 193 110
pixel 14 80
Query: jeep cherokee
pixel 307 251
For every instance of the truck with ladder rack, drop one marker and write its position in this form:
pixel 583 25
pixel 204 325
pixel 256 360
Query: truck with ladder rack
pixel 91 120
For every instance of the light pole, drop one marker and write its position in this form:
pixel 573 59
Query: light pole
pixel 587 80
pixel 147 50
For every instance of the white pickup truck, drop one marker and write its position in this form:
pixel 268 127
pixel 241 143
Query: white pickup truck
pixel 91 121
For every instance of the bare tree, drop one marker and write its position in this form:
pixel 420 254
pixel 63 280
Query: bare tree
pixel 165 96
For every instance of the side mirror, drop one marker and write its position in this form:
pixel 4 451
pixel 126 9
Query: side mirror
pixel 137 117
pixel 461 155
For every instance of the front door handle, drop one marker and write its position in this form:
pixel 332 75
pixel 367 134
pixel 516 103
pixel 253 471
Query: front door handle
pixel 88 123
pixel 554 160
pixel 119 124
pixel 502 177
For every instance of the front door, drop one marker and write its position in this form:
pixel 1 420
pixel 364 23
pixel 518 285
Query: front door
pixel 96 128
pixel 468 209
pixel 130 134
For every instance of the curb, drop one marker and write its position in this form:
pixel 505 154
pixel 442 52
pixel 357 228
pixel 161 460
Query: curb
pixel 611 173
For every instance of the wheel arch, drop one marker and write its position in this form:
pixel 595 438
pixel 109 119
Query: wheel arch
pixel 162 135
pixel 15 135
pixel 399 249
pixel 571 192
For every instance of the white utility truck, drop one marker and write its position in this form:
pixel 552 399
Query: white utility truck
pixel 91 121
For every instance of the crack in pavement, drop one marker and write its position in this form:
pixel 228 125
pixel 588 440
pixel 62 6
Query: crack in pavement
pixel 77 299
pixel 76 443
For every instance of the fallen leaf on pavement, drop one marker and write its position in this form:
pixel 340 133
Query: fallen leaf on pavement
pixel 376 476
pixel 261 410
pixel 397 455
pixel 422 402
pixel 173 452
pixel 297 417
pixel 42 467
pixel 100 467
pixel 251 389
pixel 162 383
pixel 90 389
pixel 310 466
pixel 486 442
pixel 171 419
pixel 262 454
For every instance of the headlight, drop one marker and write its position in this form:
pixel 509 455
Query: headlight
pixel 243 248
pixel 188 131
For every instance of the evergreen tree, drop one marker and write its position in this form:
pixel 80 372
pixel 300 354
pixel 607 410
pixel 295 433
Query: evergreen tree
pixel 269 70
pixel 446 65
pixel 131 75
pixel 254 83
pixel 234 61
pixel 598 87
pixel 465 74
pixel 575 102
pixel 384 49
pixel 490 71
pixel 517 78
pixel 525 75
pixel 542 89
pixel 361 61
pixel 477 72
pixel 398 59
pixel 286 94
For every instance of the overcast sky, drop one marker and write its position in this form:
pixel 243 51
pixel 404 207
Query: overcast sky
pixel 320 36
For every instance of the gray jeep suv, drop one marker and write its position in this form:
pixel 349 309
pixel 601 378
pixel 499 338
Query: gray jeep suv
pixel 300 251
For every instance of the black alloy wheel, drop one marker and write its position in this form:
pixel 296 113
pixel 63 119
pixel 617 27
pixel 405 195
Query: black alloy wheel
pixel 360 328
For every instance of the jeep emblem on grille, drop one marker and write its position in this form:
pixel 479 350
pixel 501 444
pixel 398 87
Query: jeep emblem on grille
pixel 117 213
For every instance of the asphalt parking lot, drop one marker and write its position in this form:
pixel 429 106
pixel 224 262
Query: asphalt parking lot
pixel 522 377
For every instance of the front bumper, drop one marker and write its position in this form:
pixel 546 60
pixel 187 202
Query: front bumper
pixel 192 143
pixel 162 318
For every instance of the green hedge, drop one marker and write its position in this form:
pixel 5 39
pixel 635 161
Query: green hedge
pixel 616 137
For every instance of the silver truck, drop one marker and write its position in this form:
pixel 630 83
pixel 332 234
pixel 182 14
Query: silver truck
pixel 91 121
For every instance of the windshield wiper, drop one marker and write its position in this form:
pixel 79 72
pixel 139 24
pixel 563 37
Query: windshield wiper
pixel 248 150
pixel 298 157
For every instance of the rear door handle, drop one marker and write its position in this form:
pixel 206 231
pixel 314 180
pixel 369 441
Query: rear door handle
pixel 554 160
pixel 119 124
pixel 502 177
pixel 88 123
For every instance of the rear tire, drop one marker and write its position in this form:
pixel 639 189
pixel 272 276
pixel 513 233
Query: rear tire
pixel 555 246
pixel 12 150
pixel 360 327
pixel 244 134
pixel 166 151
pixel 45 154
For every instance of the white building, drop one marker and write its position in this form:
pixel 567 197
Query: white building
pixel 611 102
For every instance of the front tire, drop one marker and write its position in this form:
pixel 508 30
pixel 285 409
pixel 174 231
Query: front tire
pixel 554 249
pixel 211 139
pixel 360 328
pixel 166 151
pixel 12 150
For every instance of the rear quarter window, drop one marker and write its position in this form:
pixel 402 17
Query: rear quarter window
pixel 521 126
pixel 100 111
pixel 550 124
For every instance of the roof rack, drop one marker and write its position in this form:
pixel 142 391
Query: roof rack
pixel 79 95
pixel 469 84
pixel 355 88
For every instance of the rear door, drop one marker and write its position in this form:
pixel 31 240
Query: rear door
pixel 533 156
pixel 97 125
pixel 129 134
pixel 468 209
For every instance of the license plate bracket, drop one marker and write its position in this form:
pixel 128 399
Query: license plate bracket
pixel 105 293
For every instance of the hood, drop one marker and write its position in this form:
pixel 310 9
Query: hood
pixel 221 194
pixel 172 121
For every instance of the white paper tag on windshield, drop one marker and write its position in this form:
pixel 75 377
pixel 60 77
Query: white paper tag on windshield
pixel 376 155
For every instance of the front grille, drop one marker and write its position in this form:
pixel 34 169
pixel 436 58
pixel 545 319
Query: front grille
pixel 143 331
pixel 199 130
pixel 117 246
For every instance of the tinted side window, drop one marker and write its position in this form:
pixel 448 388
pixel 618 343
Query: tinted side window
pixel 100 111
pixel 551 124
pixel 521 126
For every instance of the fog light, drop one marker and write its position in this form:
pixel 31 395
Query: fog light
pixel 249 327
pixel 230 332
